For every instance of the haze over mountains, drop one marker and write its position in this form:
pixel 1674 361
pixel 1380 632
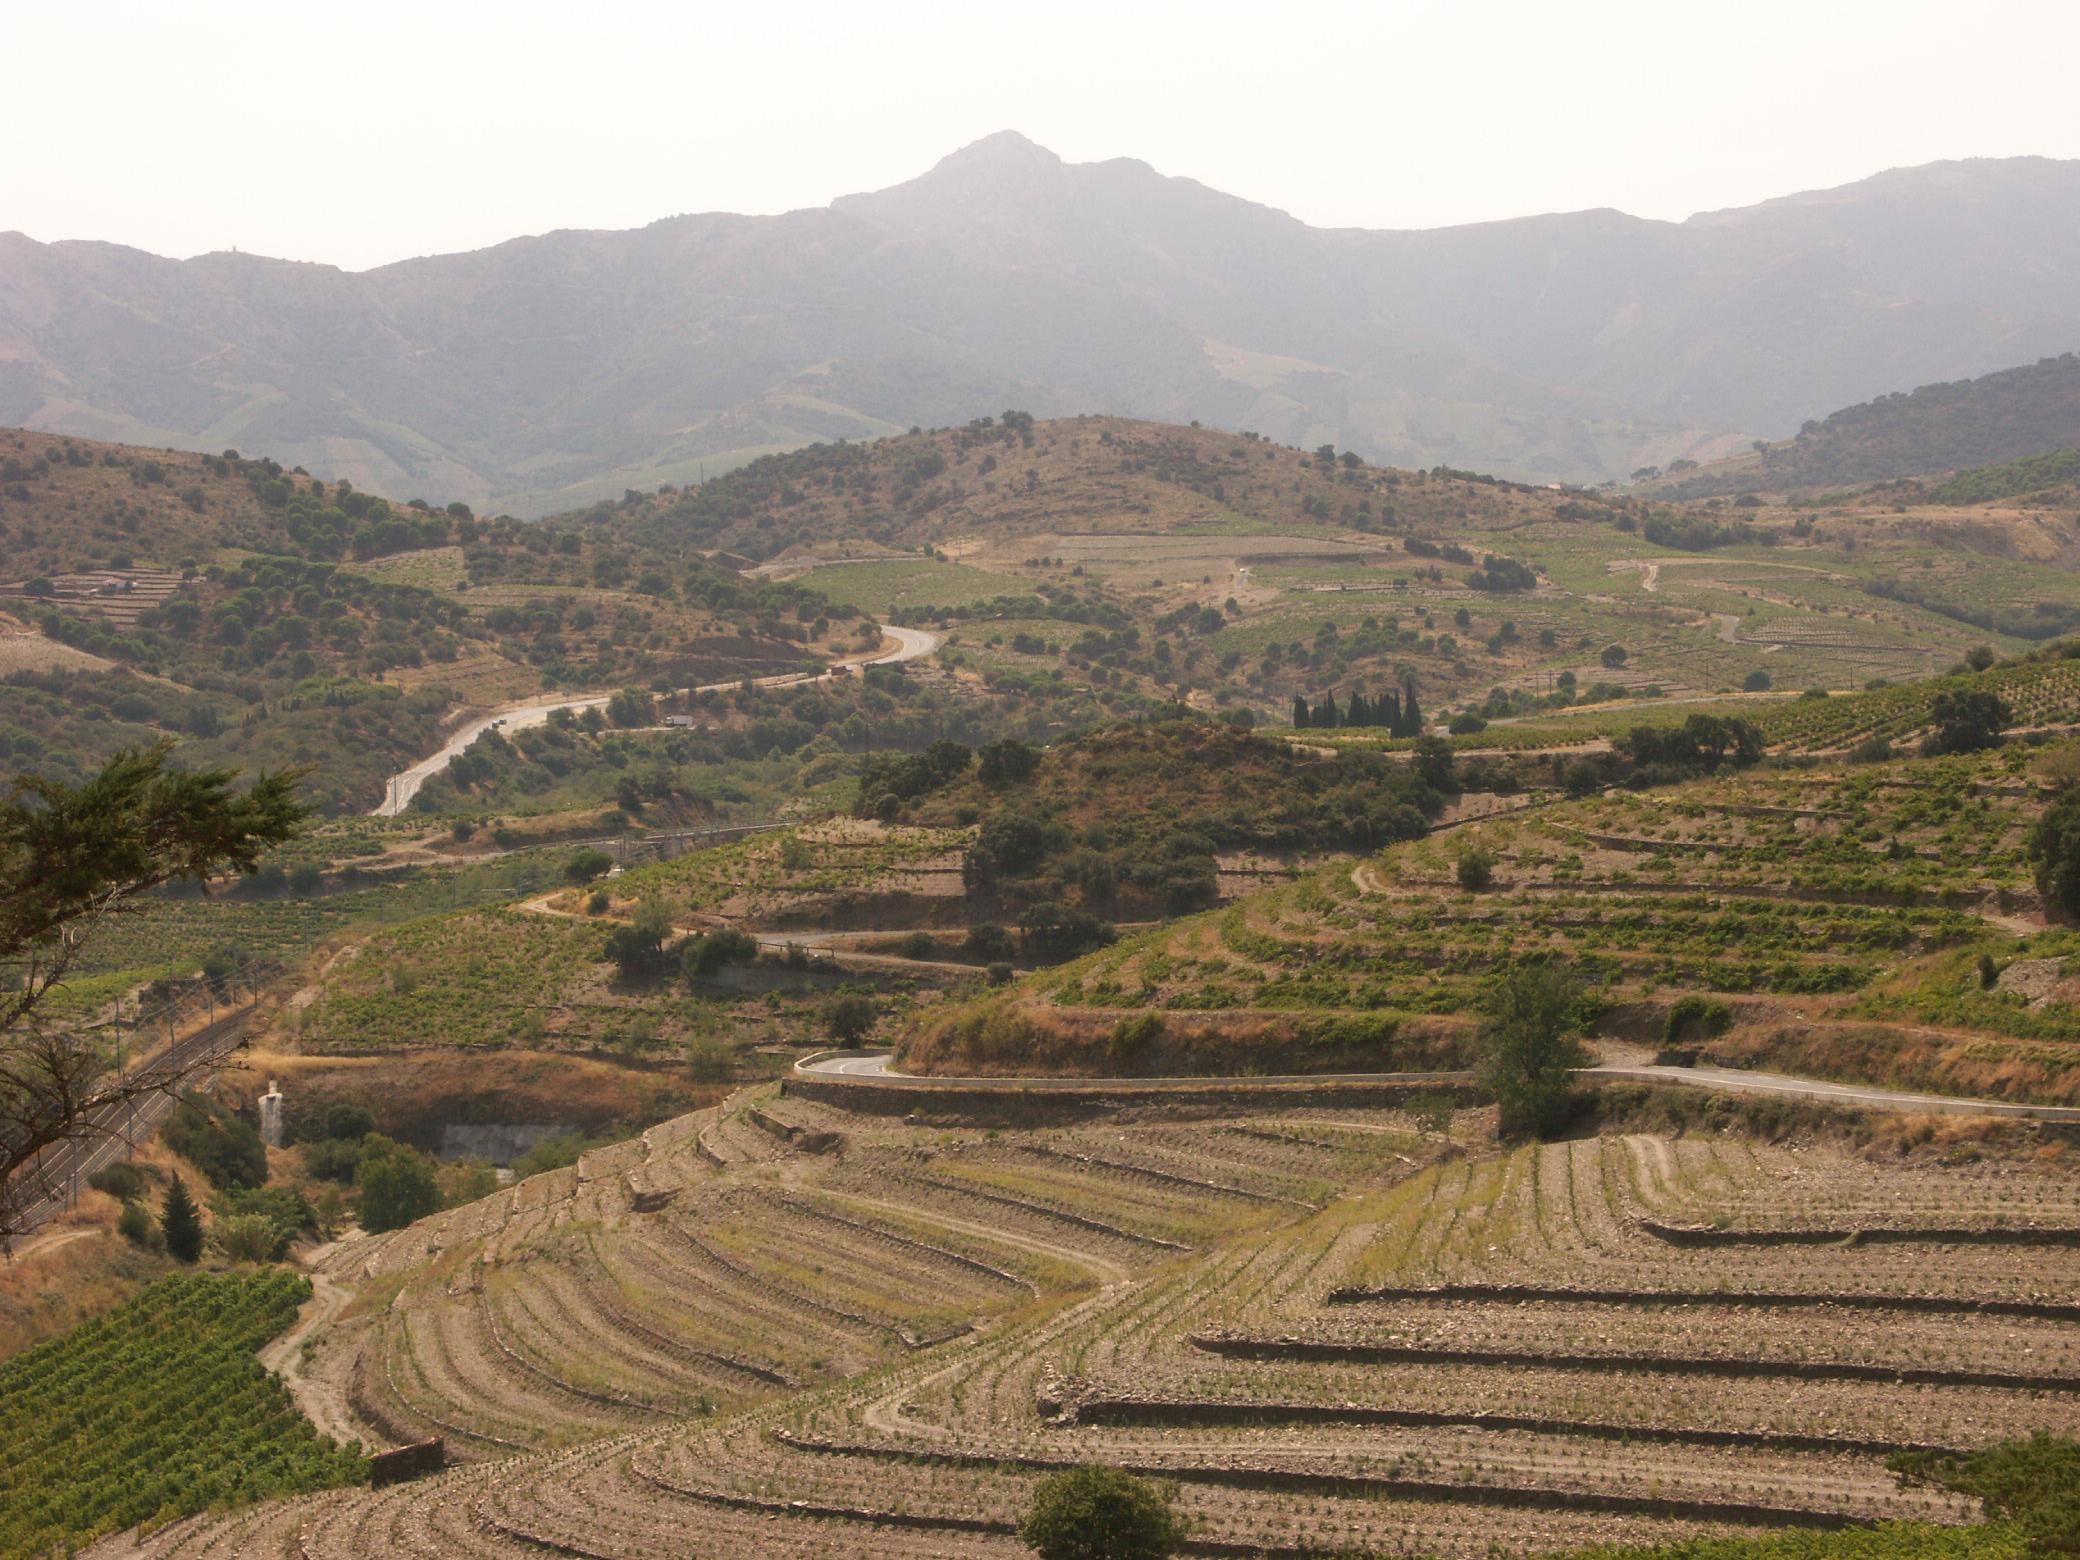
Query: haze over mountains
pixel 550 370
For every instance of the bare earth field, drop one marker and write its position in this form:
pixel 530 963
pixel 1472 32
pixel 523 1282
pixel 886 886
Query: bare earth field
pixel 799 1326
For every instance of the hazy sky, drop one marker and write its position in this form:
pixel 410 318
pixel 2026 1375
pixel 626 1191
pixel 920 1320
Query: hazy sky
pixel 364 134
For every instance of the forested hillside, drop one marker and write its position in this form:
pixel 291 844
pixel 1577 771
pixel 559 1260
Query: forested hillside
pixel 266 617
pixel 1998 419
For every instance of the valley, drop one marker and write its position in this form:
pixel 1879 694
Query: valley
pixel 810 1003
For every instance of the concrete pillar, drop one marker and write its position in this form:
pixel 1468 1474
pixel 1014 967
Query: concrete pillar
pixel 271 1115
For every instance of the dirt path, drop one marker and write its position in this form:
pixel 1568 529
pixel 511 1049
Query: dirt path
pixel 874 1068
pixel 321 1401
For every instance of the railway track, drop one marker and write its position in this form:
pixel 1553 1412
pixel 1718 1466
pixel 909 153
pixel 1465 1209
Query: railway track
pixel 51 1182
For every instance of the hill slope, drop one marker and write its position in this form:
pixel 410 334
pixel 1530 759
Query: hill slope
pixel 559 368
pixel 272 618
pixel 1995 420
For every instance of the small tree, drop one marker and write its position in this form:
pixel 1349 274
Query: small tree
pixel 1100 1514
pixel 72 860
pixel 180 1222
pixel 2054 853
pixel 134 1224
pixel 1434 764
pixel 632 707
pixel 1005 761
pixel 348 1121
pixel 848 1016
pixel 705 957
pixel 1528 1047
pixel 1614 656
pixel 1476 869
pixel 1967 720
pixel 585 865
pixel 637 949
pixel 396 1184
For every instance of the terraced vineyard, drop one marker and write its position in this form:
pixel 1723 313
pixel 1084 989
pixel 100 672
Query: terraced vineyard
pixel 2041 693
pixel 155 1410
pixel 818 875
pixel 1807 901
pixel 796 1326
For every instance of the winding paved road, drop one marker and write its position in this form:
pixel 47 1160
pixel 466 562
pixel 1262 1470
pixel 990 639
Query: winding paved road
pixel 874 1067
pixel 402 787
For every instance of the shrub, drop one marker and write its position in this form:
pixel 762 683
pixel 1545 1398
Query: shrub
pixel 134 1224
pixel 710 1060
pixel 1051 934
pixel 848 1016
pixel 217 1143
pixel 1005 761
pixel 703 958
pixel 332 1159
pixel 1696 1017
pixel 1871 750
pixel 1614 656
pixel 597 903
pixel 396 1184
pixel 554 1153
pixel 348 1121
pixel 632 707
pixel 2034 1484
pixel 1010 845
pixel 1134 1036
pixel 585 865
pixel 1100 1514
pixel 122 1180
pixel 247 1237
pixel 1756 681
pixel 1476 869
pixel 988 943
pixel 284 1211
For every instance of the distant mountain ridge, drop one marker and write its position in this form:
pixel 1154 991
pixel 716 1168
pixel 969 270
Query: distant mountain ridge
pixel 547 371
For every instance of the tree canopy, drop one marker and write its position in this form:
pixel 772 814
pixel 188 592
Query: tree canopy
pixel 1100 1514
pixel 71 857
pixel 1528 1046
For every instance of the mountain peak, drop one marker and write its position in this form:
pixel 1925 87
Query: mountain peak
pixel 1005 151
pixel 1002 177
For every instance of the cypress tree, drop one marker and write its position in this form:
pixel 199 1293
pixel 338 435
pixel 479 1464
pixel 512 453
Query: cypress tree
pixel 1358 712
pixel 1300 716
pixel 1411 712
pixel 1326 713
pixel 181 1223
pixel 1389 714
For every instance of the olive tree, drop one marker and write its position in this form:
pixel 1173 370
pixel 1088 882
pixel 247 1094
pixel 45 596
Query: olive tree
pixel 1529 1048
pixel 1095 1513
